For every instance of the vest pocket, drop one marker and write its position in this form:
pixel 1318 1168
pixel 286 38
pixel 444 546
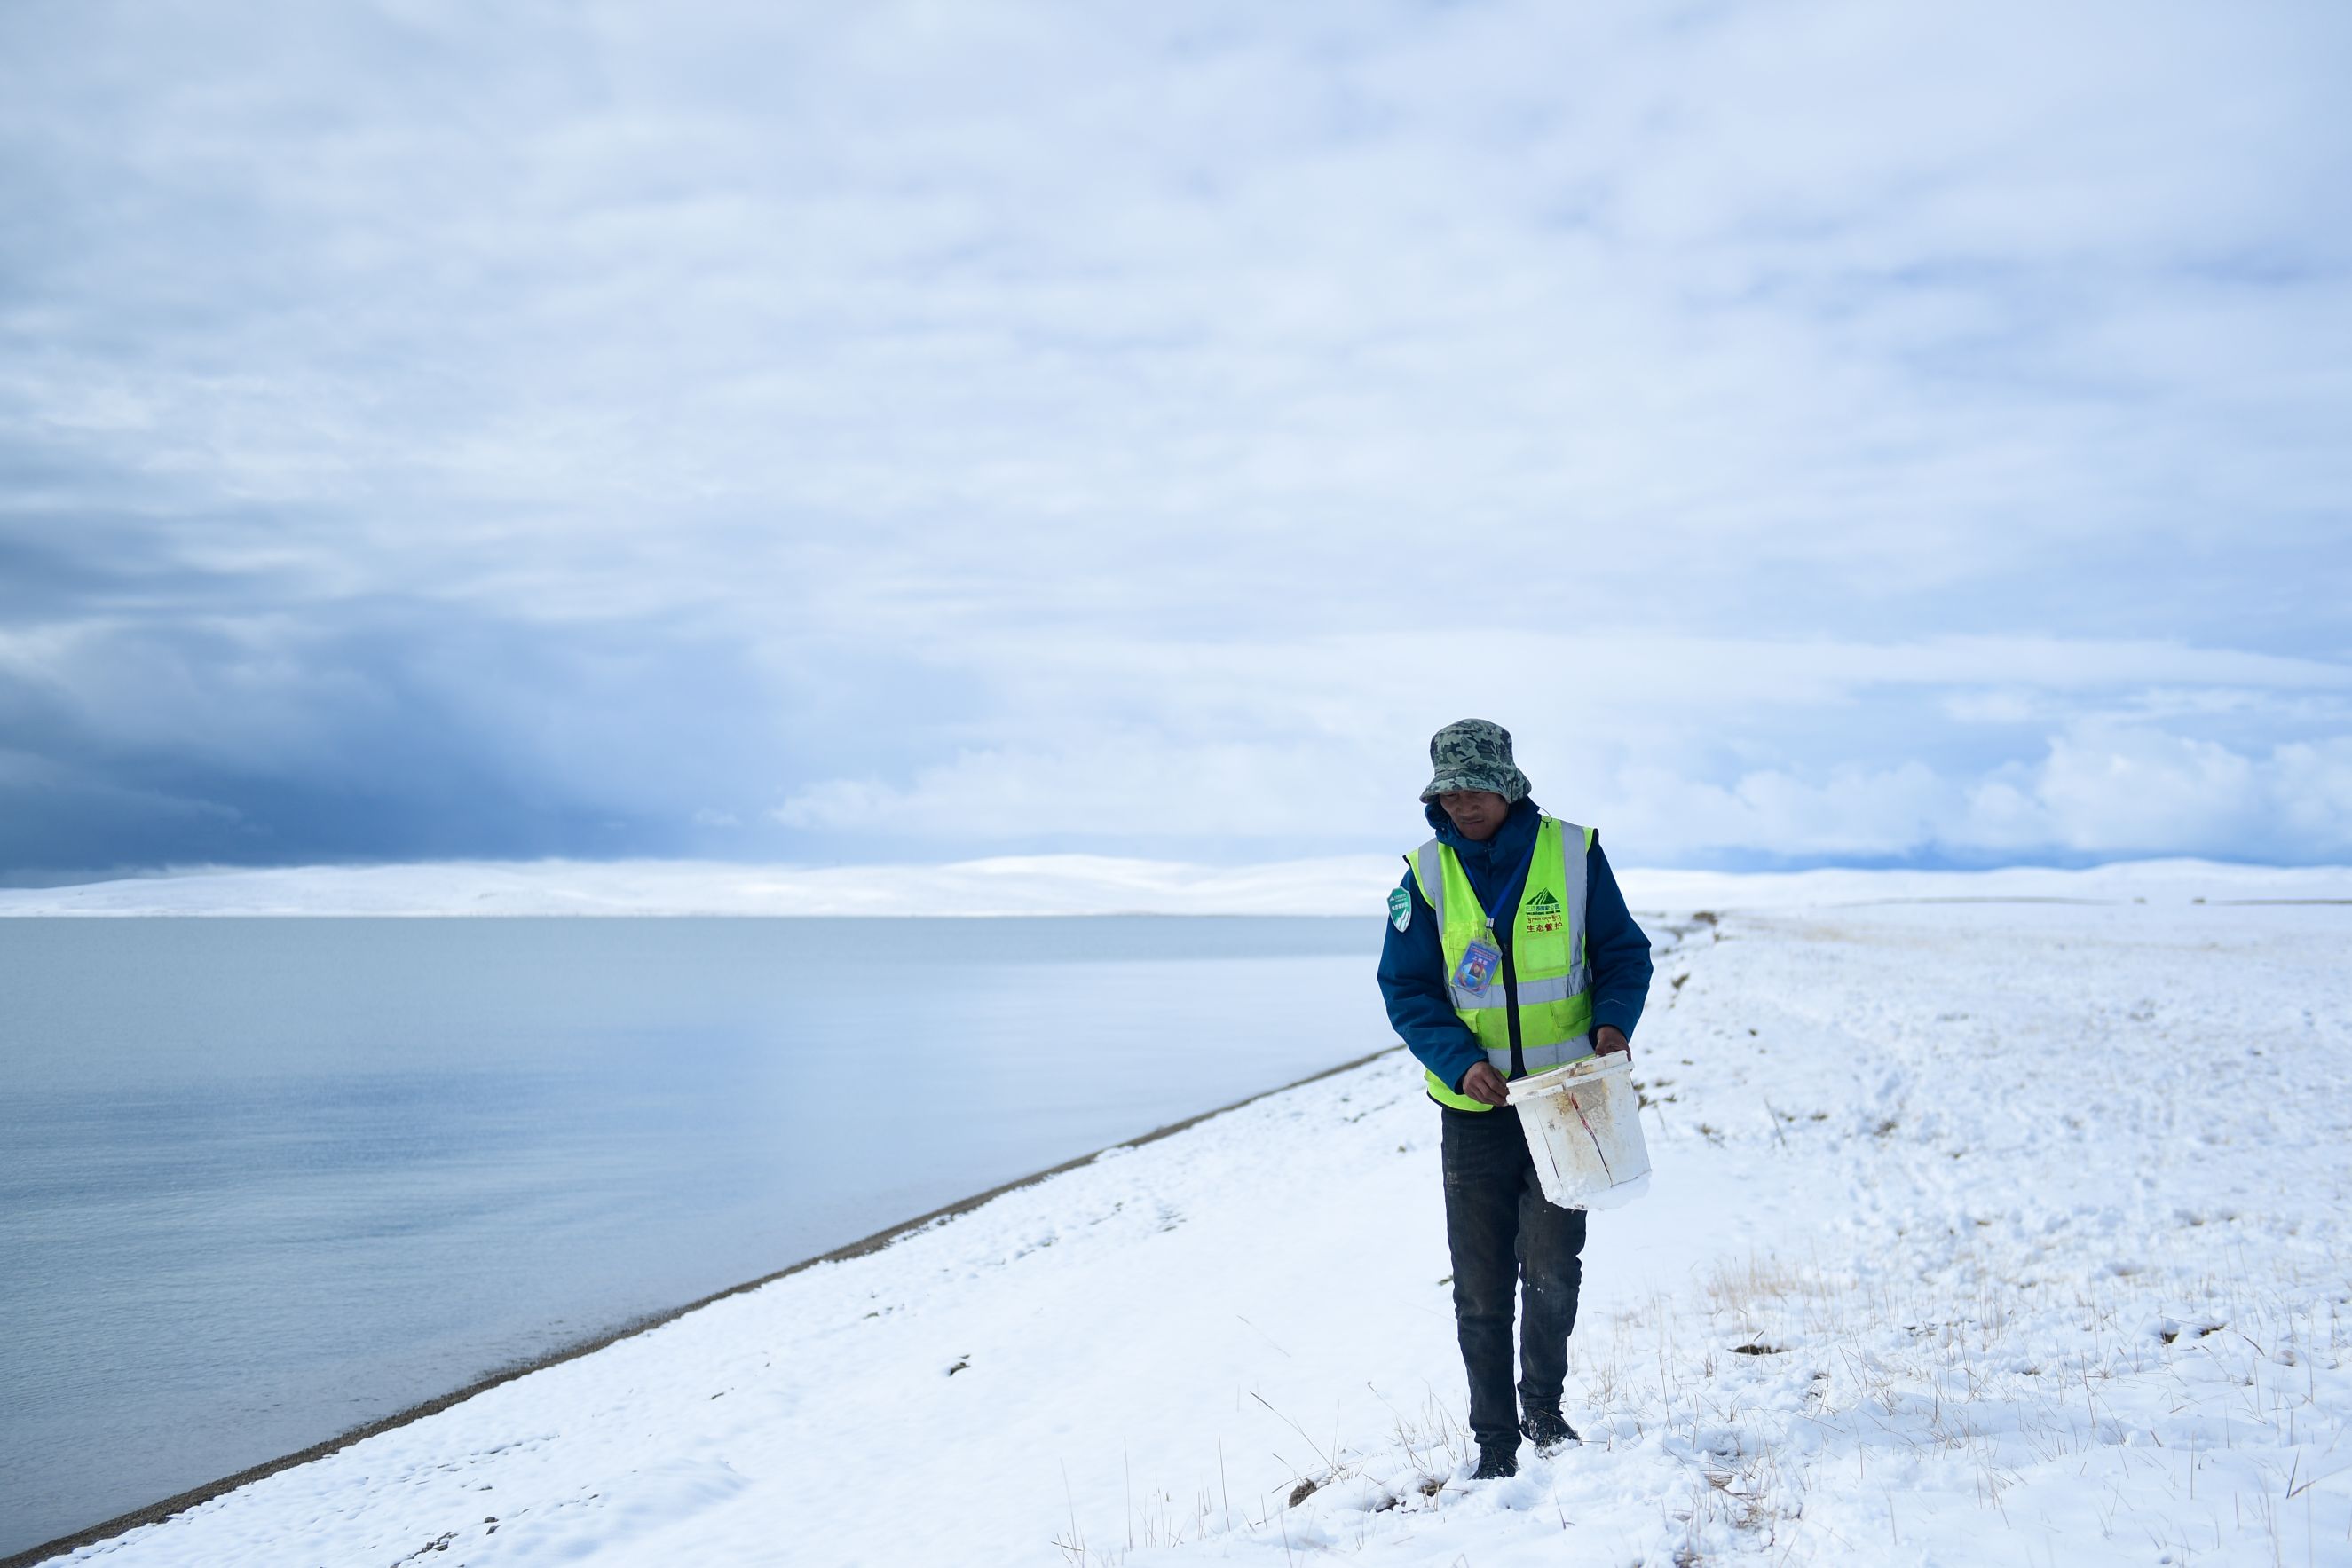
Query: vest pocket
pixel 1541 954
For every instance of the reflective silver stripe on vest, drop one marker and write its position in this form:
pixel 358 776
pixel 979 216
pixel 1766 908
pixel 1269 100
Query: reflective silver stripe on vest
pixel 1571 852
pixel 1559 989
pixel 1429 870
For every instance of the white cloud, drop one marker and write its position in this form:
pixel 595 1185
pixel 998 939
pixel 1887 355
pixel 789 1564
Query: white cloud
pixel 1652 738
pixel 2102 790
pixel 2005 704
pixel 1768 288
pixel 2112 788
pixel 2117 789
pixel 1824 428
pixel 1852 812
pixel 1135 786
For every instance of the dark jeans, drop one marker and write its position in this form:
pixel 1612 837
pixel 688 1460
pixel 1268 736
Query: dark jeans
pixel 1504 1235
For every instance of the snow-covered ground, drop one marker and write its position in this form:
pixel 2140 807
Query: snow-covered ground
pixel 1059 884
pixel 1980 1233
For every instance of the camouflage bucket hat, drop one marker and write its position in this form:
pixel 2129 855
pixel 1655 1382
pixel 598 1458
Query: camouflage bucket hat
pixel 1474 754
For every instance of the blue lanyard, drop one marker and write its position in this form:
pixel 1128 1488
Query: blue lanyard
pixel 1490 914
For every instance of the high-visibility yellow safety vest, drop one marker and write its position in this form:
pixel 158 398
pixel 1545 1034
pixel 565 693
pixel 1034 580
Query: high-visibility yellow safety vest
pixel 1549 981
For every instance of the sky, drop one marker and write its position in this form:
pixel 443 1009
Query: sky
pixel 1823 433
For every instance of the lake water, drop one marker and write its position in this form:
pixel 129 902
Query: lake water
pixel 264 1181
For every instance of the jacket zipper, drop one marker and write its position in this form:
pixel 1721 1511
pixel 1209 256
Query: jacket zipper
pixel 1511 1008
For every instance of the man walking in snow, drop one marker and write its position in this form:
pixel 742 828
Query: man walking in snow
pixel 1509 951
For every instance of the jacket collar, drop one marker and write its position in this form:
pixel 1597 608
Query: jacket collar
pixel 1513 843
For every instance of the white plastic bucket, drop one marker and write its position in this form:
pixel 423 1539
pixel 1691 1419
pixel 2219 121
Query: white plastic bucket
pixel 1583 1125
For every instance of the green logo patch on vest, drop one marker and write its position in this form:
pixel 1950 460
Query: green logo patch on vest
pixel 1400 908
pixel 1543 912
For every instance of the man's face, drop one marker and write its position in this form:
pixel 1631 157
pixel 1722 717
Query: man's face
pixel 1476 813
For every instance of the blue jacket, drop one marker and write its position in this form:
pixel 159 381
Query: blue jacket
pixel 1412 962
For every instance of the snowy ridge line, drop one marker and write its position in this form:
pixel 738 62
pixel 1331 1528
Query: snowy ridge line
pixel 2281 901
pixel 1080 884
pixel 159 1512
pixel 1005 886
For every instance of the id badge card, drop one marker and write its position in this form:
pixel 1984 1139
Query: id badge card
pixel 1476 970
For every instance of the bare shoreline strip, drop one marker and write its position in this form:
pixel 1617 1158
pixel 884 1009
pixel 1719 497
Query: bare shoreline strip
pixel 157 1512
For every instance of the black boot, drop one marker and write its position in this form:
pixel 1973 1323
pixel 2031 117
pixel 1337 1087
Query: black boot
pixel 1549 1431
pixel 1495 1463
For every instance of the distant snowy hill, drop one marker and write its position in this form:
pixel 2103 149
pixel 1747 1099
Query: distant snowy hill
pixel 1071 885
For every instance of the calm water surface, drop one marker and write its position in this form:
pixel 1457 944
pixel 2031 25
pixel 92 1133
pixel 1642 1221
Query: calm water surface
pixel 263 1180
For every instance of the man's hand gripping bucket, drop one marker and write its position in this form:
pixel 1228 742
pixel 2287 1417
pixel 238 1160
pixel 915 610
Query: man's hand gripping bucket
pixel 1583 1127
